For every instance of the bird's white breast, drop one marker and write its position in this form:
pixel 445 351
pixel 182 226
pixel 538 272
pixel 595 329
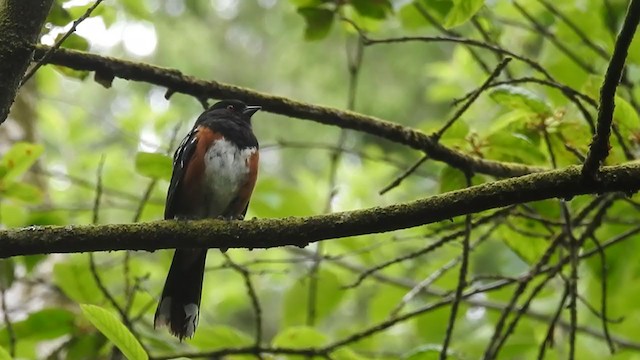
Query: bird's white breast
pixel 226 170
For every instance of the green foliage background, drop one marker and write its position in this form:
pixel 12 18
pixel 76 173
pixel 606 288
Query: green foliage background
pixel 67 124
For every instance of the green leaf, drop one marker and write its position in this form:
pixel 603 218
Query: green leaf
pixel 136 8
pixel 220 336
pixel 453 179
pixel 4 355
pixel 13 215
pixel 300 337
pixel 376 9
pixel 75 42
pixel 76 281
pixel 154 165
pixel 462 11
pixel 515 147
pixel 307 3
pixel 515 97
pixel 21 191
pixel 506 120
pixel 85 347
pixel 318 21
pixel 109 325
pixel 19 158
pixel 329 291
pixel 58 15
pixel 31 261
pixel 45 324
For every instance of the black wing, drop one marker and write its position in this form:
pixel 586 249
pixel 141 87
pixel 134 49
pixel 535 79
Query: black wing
pixel 180 162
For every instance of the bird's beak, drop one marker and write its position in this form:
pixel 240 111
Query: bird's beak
pixel 250 110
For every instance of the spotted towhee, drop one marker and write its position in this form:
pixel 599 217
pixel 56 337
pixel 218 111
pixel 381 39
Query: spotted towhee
pixel 214 172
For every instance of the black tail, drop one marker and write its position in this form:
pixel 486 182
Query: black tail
pixel 179 306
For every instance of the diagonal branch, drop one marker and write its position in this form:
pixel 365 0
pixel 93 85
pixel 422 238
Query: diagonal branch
pixel 300 231
pixel 599 148
pixel 107 68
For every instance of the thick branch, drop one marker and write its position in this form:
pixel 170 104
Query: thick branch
pixel 599 148
pixel 108 68
pixel 20 24
pixel 300 231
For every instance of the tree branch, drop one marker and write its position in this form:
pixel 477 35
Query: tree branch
pixel 20 24
pixel 107 68
pixel 300 231
pixel 599 148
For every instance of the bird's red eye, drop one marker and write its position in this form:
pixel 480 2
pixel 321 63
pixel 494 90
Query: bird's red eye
pixel 231 107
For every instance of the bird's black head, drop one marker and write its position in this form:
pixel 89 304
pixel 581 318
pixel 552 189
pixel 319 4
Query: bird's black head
pixel 233 109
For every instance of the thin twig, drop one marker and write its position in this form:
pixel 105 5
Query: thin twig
pixel 542 30
pixel 574 248
pixel 548 339
pixel 436 24
pixel 257 309
pixel 462 278
pixel 603 293
pixel 58 43
pixel 496 72
pixel 431 247
pixel 398 180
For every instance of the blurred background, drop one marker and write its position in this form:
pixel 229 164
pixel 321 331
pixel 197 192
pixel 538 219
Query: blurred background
pixel 303 50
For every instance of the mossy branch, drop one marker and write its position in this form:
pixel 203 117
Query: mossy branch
pixel 20 24
pixel 108 68
pixel 300 231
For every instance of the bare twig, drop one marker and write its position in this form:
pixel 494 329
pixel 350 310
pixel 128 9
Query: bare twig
pixel 58 43
pixel 574 248
pixel 255 302
pixel 603 291
pixel 398 180
pixel 548 339
pixel 462 278
pixel 496 72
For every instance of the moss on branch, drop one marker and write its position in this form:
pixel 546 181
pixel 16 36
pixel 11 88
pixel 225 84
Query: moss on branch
pixel 300 231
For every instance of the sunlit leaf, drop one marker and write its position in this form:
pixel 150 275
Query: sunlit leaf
pixel 300 337
pixel 13 214
pixel 519 98
pixel 19 158
pixel 109 325
pixel 4 355
pixel 154 165
pixel 220 336
pixel 76 42
pixel 21 191
pixel 76 281
pixel 515 147
pixel 462 11
pixel 424 352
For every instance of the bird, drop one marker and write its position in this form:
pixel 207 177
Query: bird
pixel 214 173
